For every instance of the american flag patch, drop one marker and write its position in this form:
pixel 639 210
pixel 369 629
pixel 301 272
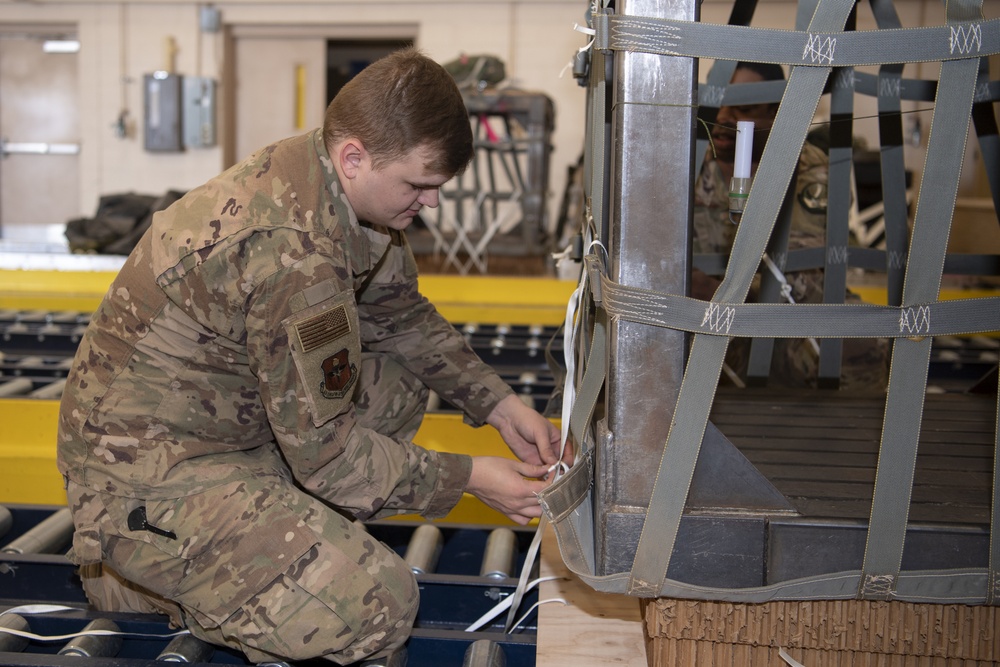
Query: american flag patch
pixel 321 329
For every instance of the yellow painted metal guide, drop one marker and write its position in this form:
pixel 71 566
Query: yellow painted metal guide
pixel 28 433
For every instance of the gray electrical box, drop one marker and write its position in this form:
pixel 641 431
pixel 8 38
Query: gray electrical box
pixel 209 19
pixel 199 112
pixel 162 116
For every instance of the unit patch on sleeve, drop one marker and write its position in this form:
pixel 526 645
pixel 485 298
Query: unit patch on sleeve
pixel 325 346
pixel 339 374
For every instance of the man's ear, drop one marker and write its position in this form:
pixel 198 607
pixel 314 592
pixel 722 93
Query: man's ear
pixel 352 154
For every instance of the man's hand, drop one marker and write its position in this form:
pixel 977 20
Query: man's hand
pixel 508 486
pixel 532 437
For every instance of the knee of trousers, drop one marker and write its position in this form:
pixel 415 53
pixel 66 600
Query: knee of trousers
pixel 300 616
pixel 394 632
pixel 106 590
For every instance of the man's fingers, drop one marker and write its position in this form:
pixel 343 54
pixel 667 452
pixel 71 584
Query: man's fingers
pixel 532 471
pixel 545 448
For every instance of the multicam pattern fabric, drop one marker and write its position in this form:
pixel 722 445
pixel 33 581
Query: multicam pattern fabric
pixel 257 565
pixel 230 349
pixel 713 231
pixel 794 362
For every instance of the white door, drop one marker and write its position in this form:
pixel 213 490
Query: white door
pixel 281 75
pixel 39 127
pixel 280 89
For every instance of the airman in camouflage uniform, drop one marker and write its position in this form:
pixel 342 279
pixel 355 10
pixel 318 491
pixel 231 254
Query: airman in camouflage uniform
pixel 251 382
pixel 795 362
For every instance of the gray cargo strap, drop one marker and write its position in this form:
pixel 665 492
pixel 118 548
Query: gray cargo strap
pixel 813 48
pixel 595 150
pixel 710 96
pixel 920 90
pixel 802 320
pixel 890 123
pixel 920 316
pixel 911 357
pixel 837 213
pixel 596 156
pixel 762 349
pixel 914 90
pixel 697 391
pixel 756 92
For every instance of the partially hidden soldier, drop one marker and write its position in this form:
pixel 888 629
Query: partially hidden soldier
pixel 795 362
pixel 250 385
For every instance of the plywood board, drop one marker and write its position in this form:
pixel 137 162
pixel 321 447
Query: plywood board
pixel 592 628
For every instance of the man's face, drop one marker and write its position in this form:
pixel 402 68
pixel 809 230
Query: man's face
pixel 724 132
pixel 394 194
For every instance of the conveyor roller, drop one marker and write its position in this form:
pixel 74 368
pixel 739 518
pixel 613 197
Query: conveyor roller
pixel 454 589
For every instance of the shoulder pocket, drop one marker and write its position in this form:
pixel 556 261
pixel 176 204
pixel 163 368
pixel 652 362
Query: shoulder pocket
pixel 326 349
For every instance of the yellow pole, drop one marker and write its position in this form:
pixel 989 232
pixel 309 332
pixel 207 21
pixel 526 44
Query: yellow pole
pixel 300 97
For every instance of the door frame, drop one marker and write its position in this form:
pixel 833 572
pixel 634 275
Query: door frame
pixel 328 31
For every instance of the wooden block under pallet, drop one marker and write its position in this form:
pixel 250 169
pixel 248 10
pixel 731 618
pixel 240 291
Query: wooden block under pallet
pixel 819 633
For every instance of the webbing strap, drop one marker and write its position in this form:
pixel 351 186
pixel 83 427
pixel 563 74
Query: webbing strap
pixel 993 581
pixel 752 92
pixel 673 480
pixel 762 349
pixel 592 382
pixel 598 101
pixel 815 48
pixel 680 453
pixel 920 90
pixel 890 124
pixel 802 320
pixel 911 357
pixel 985 123
pixel 717 85
pixel 837 213
pixel 804 13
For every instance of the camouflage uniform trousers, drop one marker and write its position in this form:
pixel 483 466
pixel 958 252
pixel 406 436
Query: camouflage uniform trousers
pixel 864 364
pixel 259 565
pixel 795 364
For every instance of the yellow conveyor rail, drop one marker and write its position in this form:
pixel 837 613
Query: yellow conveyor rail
pixel 28 433
pixel 28 455
pixel 480 299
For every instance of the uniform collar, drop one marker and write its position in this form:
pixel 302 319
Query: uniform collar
pixel 367 243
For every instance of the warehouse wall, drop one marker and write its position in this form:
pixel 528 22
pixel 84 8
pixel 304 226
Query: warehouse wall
pixel 124 40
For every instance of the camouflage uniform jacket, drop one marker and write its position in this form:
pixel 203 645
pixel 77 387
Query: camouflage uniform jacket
pixel 714 233
pixel 229 345
pixel 864 365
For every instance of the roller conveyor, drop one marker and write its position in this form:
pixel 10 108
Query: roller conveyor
pixel 41 332
pixel 459 586
pixel 38 346
pixel 58 334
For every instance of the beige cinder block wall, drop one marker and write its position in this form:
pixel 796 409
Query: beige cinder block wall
pixel 121 41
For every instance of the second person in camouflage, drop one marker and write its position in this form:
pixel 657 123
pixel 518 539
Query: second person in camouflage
pixel 795 362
